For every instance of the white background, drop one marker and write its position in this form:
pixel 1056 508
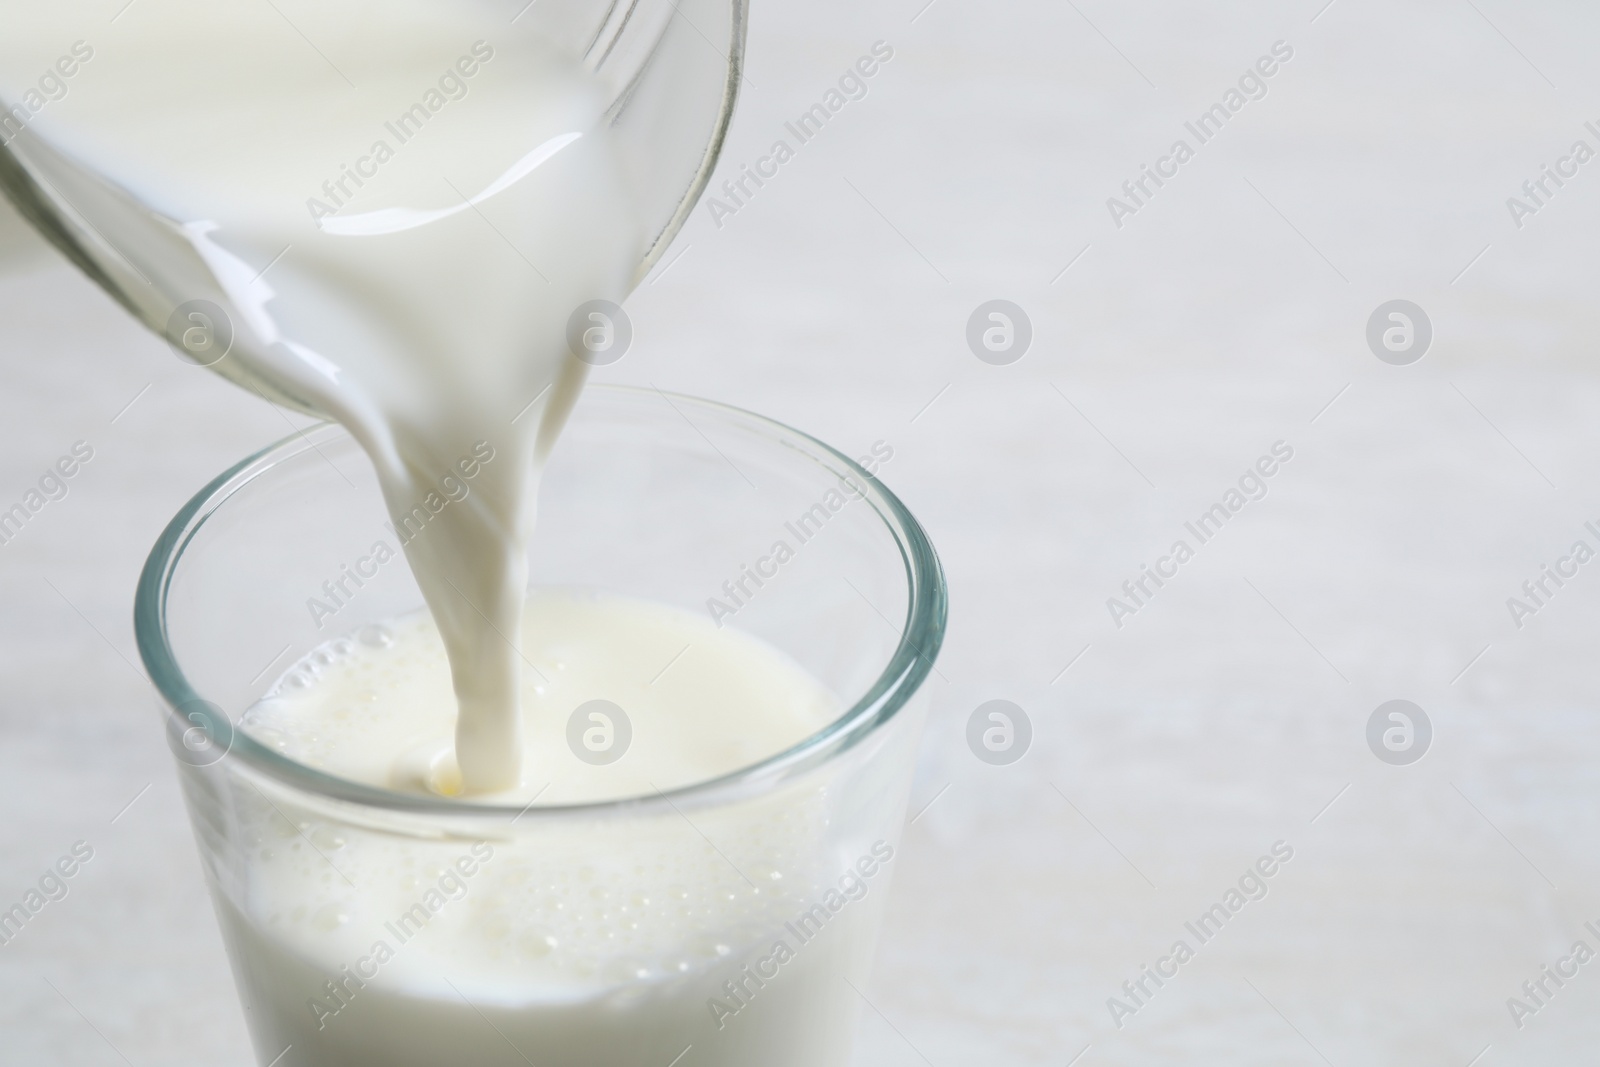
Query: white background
pixel 1228 314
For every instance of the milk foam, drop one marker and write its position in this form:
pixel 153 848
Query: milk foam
pixel 596 939
pixel 700 701
pixel 375 707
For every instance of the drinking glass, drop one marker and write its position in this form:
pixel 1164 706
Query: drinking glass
pixel 722 924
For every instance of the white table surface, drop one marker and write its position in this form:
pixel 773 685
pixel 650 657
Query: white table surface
pixel 1228 314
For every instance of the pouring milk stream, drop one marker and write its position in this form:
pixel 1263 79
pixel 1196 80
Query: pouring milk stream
pixel 396 242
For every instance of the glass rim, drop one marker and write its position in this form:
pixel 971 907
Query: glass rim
pixel 921 637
